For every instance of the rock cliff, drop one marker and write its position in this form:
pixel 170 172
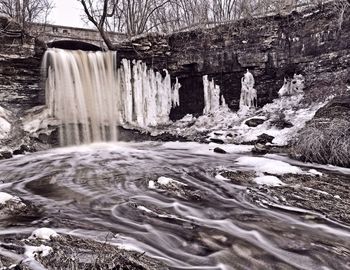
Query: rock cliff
pixel 313 43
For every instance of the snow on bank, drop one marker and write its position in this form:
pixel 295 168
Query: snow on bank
pixel 43 234
pixel 266 165
pixel 231 128
pixel 200 148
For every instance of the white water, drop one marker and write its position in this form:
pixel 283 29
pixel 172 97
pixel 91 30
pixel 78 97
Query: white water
pixel 90 97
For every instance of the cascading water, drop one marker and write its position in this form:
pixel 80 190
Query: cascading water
pixel 91 97
pixel 81 93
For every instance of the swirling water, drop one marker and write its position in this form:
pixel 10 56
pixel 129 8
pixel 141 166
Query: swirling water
pixel 205 223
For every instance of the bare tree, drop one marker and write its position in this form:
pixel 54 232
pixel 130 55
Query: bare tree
pixel 27 11
pixel 131 16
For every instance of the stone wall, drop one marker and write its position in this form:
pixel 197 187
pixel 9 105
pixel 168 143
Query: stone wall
pixel 312 43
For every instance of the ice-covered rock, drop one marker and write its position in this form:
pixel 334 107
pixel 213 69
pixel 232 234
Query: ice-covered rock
pixel 5 197
pixel 165 180
pixel 292 86
pixel 43 234
pixel 268 180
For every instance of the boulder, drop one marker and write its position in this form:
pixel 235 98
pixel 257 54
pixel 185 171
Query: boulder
pixel 281 124
pixel 219 141
pixel 254 122
pixel 219 150
pixel 5 154
pixel 260 149
pixel 265 138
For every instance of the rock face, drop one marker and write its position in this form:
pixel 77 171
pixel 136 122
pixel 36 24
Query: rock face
pixel 311 43
pixel 326 138
pixel 19 68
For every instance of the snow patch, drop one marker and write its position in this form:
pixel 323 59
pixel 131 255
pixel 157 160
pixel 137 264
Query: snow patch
pixel 266 165
pixel 34 252
pixel 164 181
pixel 43 234
pixel 220 177
pixel 151 184
pixel 233 148
pixel 315 172
pixel 268 180
pixel 5 197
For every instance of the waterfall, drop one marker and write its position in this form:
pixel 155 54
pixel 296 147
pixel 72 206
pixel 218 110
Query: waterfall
pixel 90 96
pixel 212 96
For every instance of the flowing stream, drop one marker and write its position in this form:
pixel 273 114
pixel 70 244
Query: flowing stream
pixel 203 223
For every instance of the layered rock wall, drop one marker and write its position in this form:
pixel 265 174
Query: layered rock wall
pixel 314 43
pixel 20 86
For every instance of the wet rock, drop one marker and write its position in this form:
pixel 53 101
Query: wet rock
pixel 5 154
pixel 260 149
pixel 219 150
pixel 281 124
pixel 265 138
pixel 22 149
pixel 254 122
pixel 215 140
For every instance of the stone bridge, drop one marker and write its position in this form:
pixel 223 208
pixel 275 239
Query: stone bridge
pixel 73 38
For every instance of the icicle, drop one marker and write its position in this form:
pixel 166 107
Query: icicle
pixel 248 93
pixel 211 96
pixel 175 98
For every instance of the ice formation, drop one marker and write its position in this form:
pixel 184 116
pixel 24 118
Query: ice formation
pixel 91 96
pixel 211 96
pixel 147 96
pixel 248 93
pixel 292 86
pixel 5 126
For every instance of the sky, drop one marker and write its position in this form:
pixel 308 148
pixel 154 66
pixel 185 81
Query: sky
pixel 67 13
